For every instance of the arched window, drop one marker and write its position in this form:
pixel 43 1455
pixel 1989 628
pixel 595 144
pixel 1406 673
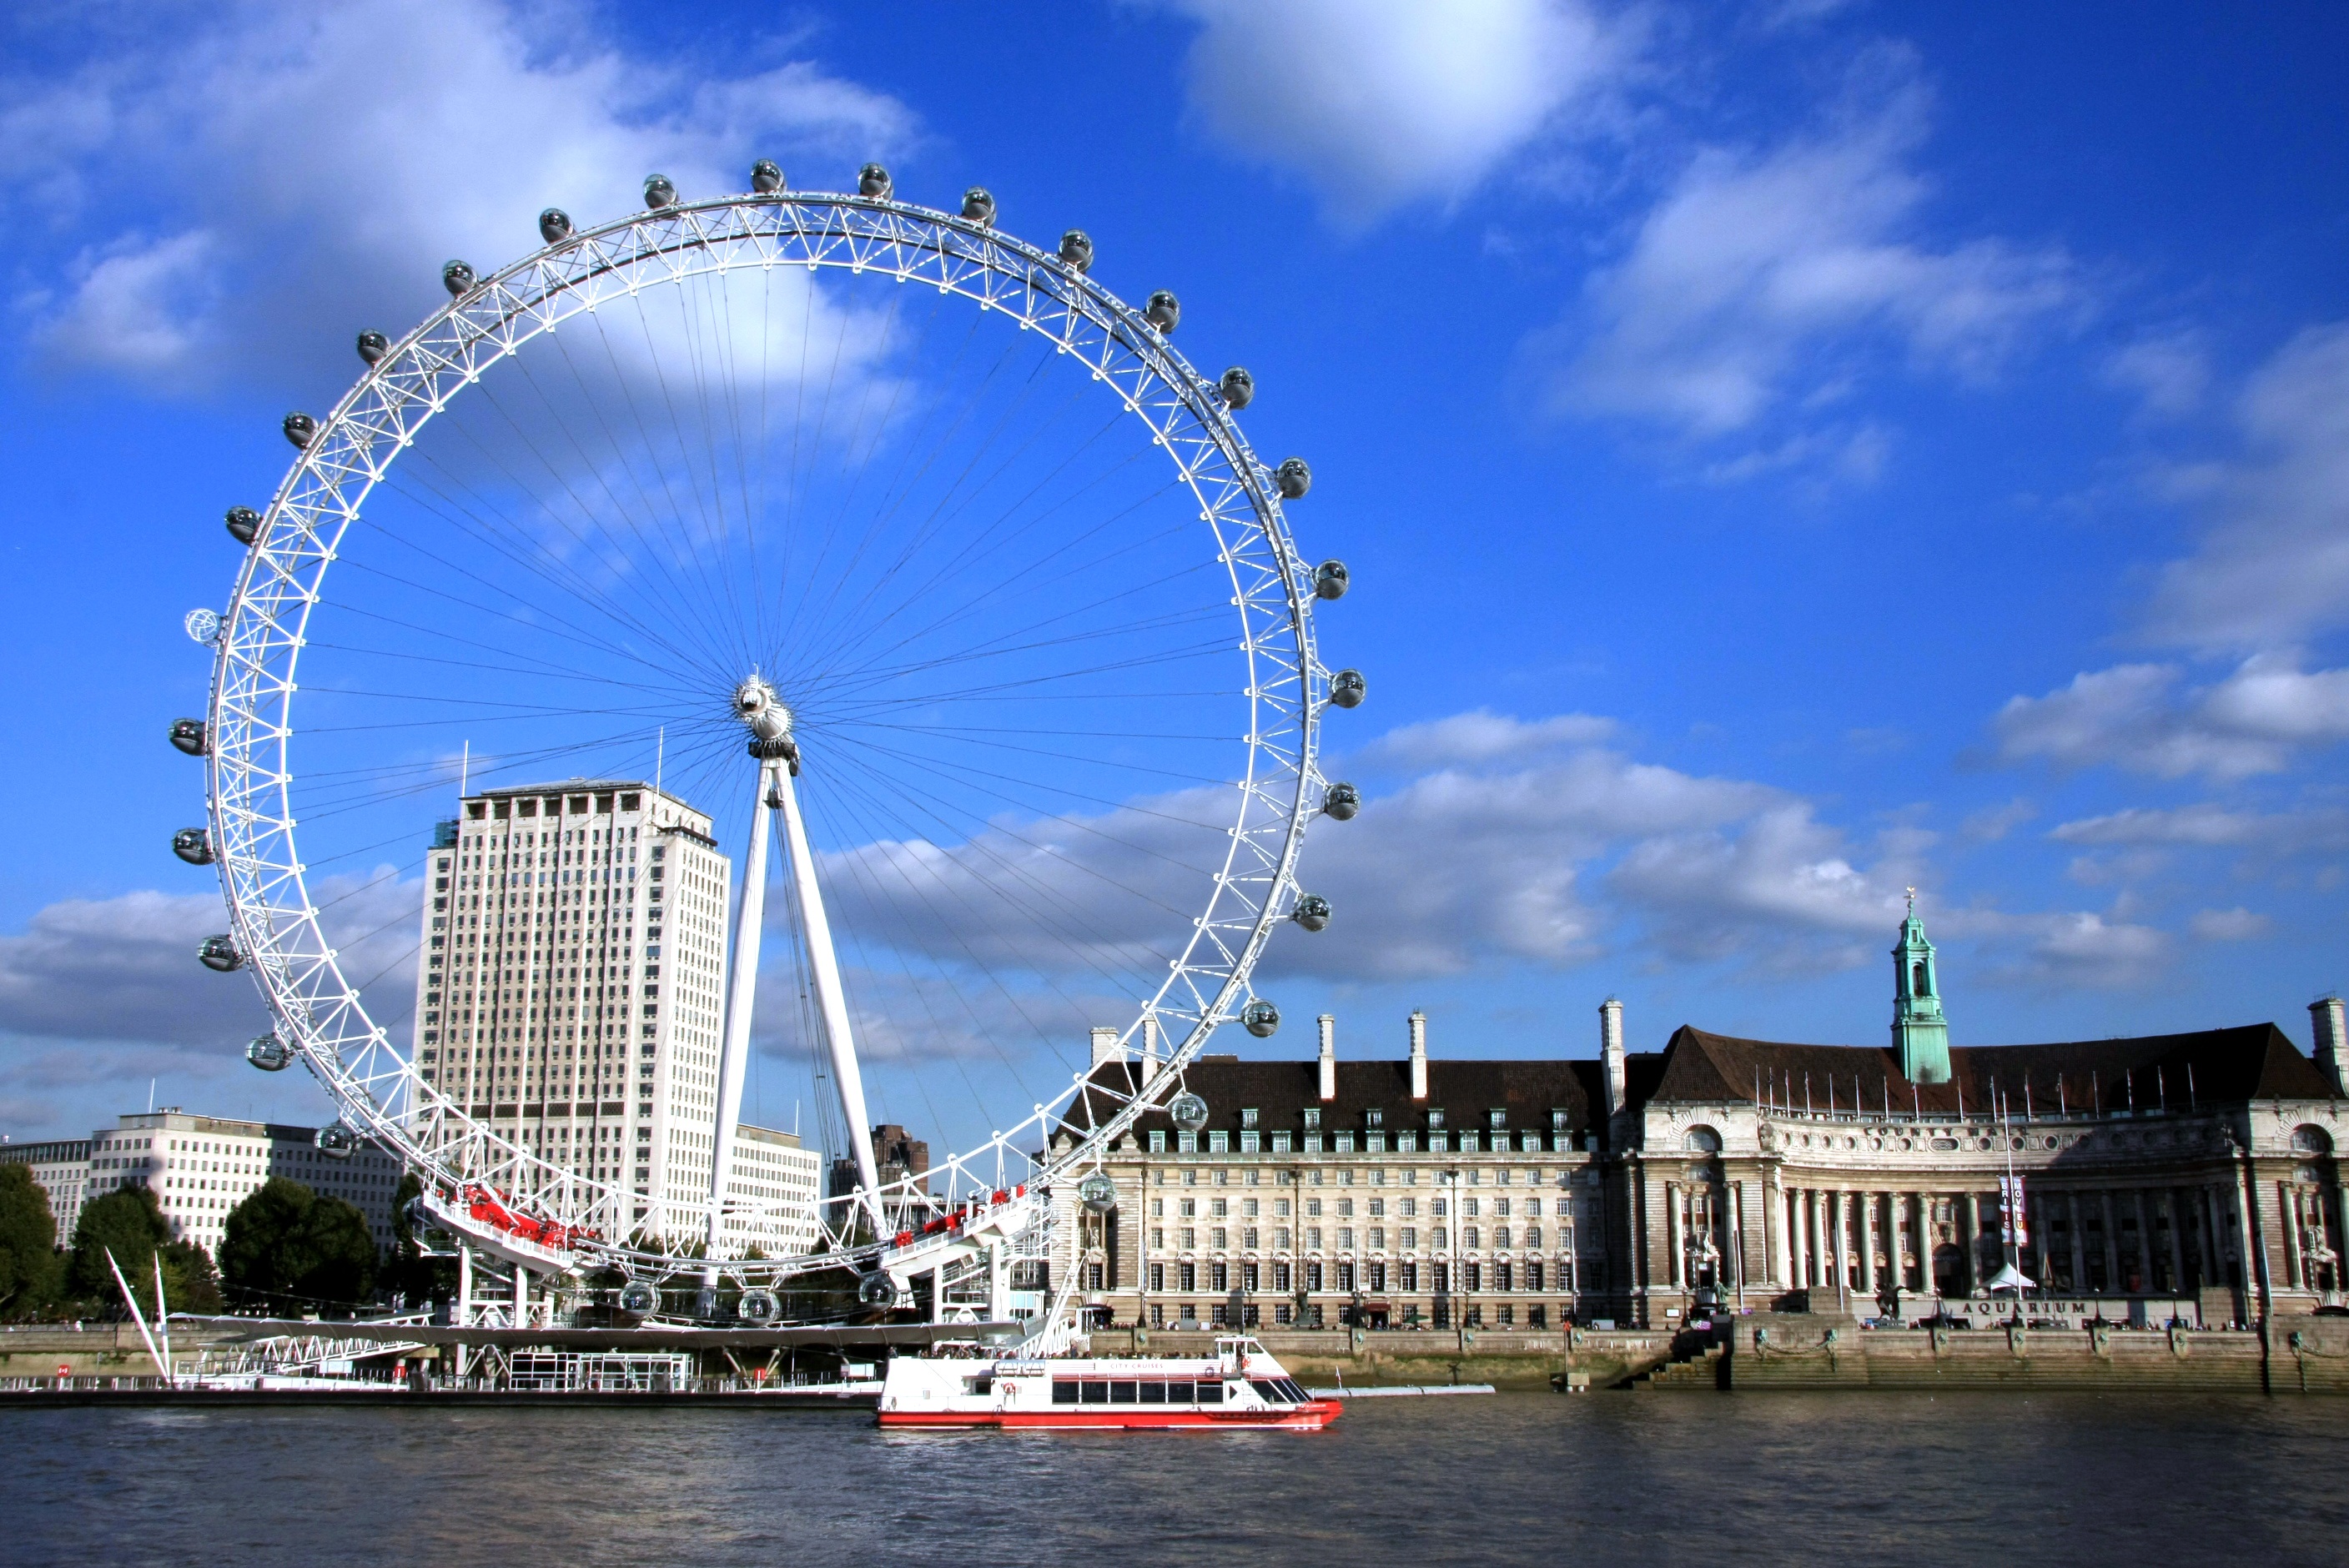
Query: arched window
pixel 2311 1141
pixel 1701 1140
pixel 1916 986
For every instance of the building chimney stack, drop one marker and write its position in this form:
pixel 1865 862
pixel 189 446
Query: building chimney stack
pixel 1418 1054
pixel 1105 1045
pixel 1328 1057
pixel 1610 1051
pixel 2324 1013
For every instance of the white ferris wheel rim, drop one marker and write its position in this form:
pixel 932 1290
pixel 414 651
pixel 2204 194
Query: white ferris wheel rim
pixel 322 1017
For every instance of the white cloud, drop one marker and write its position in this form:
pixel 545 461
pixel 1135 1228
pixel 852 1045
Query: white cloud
pixel 294 173
pixel 2210 825
pixel 1766 280
pixel 1993 824
pixel 1482 736
pixel 2146 718
pixel 1382 102
pixel 124 968
pixel 2167 373
pixel 2274 566
pixel 2237 924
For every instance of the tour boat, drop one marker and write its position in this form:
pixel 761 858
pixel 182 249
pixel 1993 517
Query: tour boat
pixel 1239 1388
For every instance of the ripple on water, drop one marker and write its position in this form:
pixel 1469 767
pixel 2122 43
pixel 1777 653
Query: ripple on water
pixel 1622 1479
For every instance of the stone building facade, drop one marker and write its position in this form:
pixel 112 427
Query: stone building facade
pixel 2197 1172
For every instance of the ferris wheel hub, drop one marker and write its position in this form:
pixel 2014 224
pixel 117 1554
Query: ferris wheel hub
pixel 760 711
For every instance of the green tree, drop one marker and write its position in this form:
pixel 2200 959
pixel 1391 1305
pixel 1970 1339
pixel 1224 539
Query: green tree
pixel 30 1269
pixel 189 1278
pixel 285 1248
pixel 128 1223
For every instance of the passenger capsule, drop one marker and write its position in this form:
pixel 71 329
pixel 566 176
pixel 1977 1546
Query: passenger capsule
pixel 1260 1018
pixel 877 1289
pixel 300 428
pixel 1294 479
pixel 757 1306
pixel 219 954
pixel 1330 580
pixel 638 1298
pixel 192 736
pixel 1348 688
pixel 1077 251
pixel 766 176
pixel 335 1140
pixel 243 522
pixel 873 180
pixel 1239 388
pixel 658 192
pixel 1187 1112
pixel 554 226
pixel 194 845
pixel 373 347
pixel 1164 312
pixel 1312 912
pixel 201 625
pixel 268 1053
pixel 978 205
pixel 456 277
pixel 1098 1192
pixel 1342 802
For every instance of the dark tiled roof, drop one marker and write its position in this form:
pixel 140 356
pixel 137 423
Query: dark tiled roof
pixel 1280 1092
pixel 2256 1061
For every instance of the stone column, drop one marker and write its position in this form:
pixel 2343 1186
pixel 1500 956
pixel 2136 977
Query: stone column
pixel 1814 1210
pixel 1776 1219
pixel 1798 1225
pixel 2288 1212
pixel 1866 1240
pixel 1671 1233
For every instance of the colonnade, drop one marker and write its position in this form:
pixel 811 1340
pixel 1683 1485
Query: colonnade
pixel 2141 1239
pixel 1834 1236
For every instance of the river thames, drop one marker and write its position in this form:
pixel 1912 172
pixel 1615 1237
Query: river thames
pixel 1626 1479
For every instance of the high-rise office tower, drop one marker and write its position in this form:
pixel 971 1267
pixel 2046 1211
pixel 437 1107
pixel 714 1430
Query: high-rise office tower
pixel 570 996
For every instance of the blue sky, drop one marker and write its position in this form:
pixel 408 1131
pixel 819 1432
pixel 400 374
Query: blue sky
pixel 1787 452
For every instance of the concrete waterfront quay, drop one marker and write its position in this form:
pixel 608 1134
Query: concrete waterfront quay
pixel 1816 1350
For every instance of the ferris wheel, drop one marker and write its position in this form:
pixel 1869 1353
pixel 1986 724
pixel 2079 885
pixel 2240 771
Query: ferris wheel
pixel 895 554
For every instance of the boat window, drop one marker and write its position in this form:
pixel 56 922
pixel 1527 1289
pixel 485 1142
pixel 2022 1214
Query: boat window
pixel 1153 1393
pixel 1095 1393
pixel 1295 1390
pixel 1064 1390
pixel 1180 1393
pixel 982 1383
pixel 1211 1393
pixel 1273 1393
pixel 1123 1393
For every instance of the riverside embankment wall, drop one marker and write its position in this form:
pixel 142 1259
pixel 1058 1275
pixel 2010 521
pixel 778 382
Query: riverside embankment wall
pixel 1801 1351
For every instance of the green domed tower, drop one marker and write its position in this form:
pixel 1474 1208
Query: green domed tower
pixel 1918 1031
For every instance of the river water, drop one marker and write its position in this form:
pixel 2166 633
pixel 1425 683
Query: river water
pixel 1606 1478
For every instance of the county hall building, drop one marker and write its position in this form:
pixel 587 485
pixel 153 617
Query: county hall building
pixel 2197 1172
